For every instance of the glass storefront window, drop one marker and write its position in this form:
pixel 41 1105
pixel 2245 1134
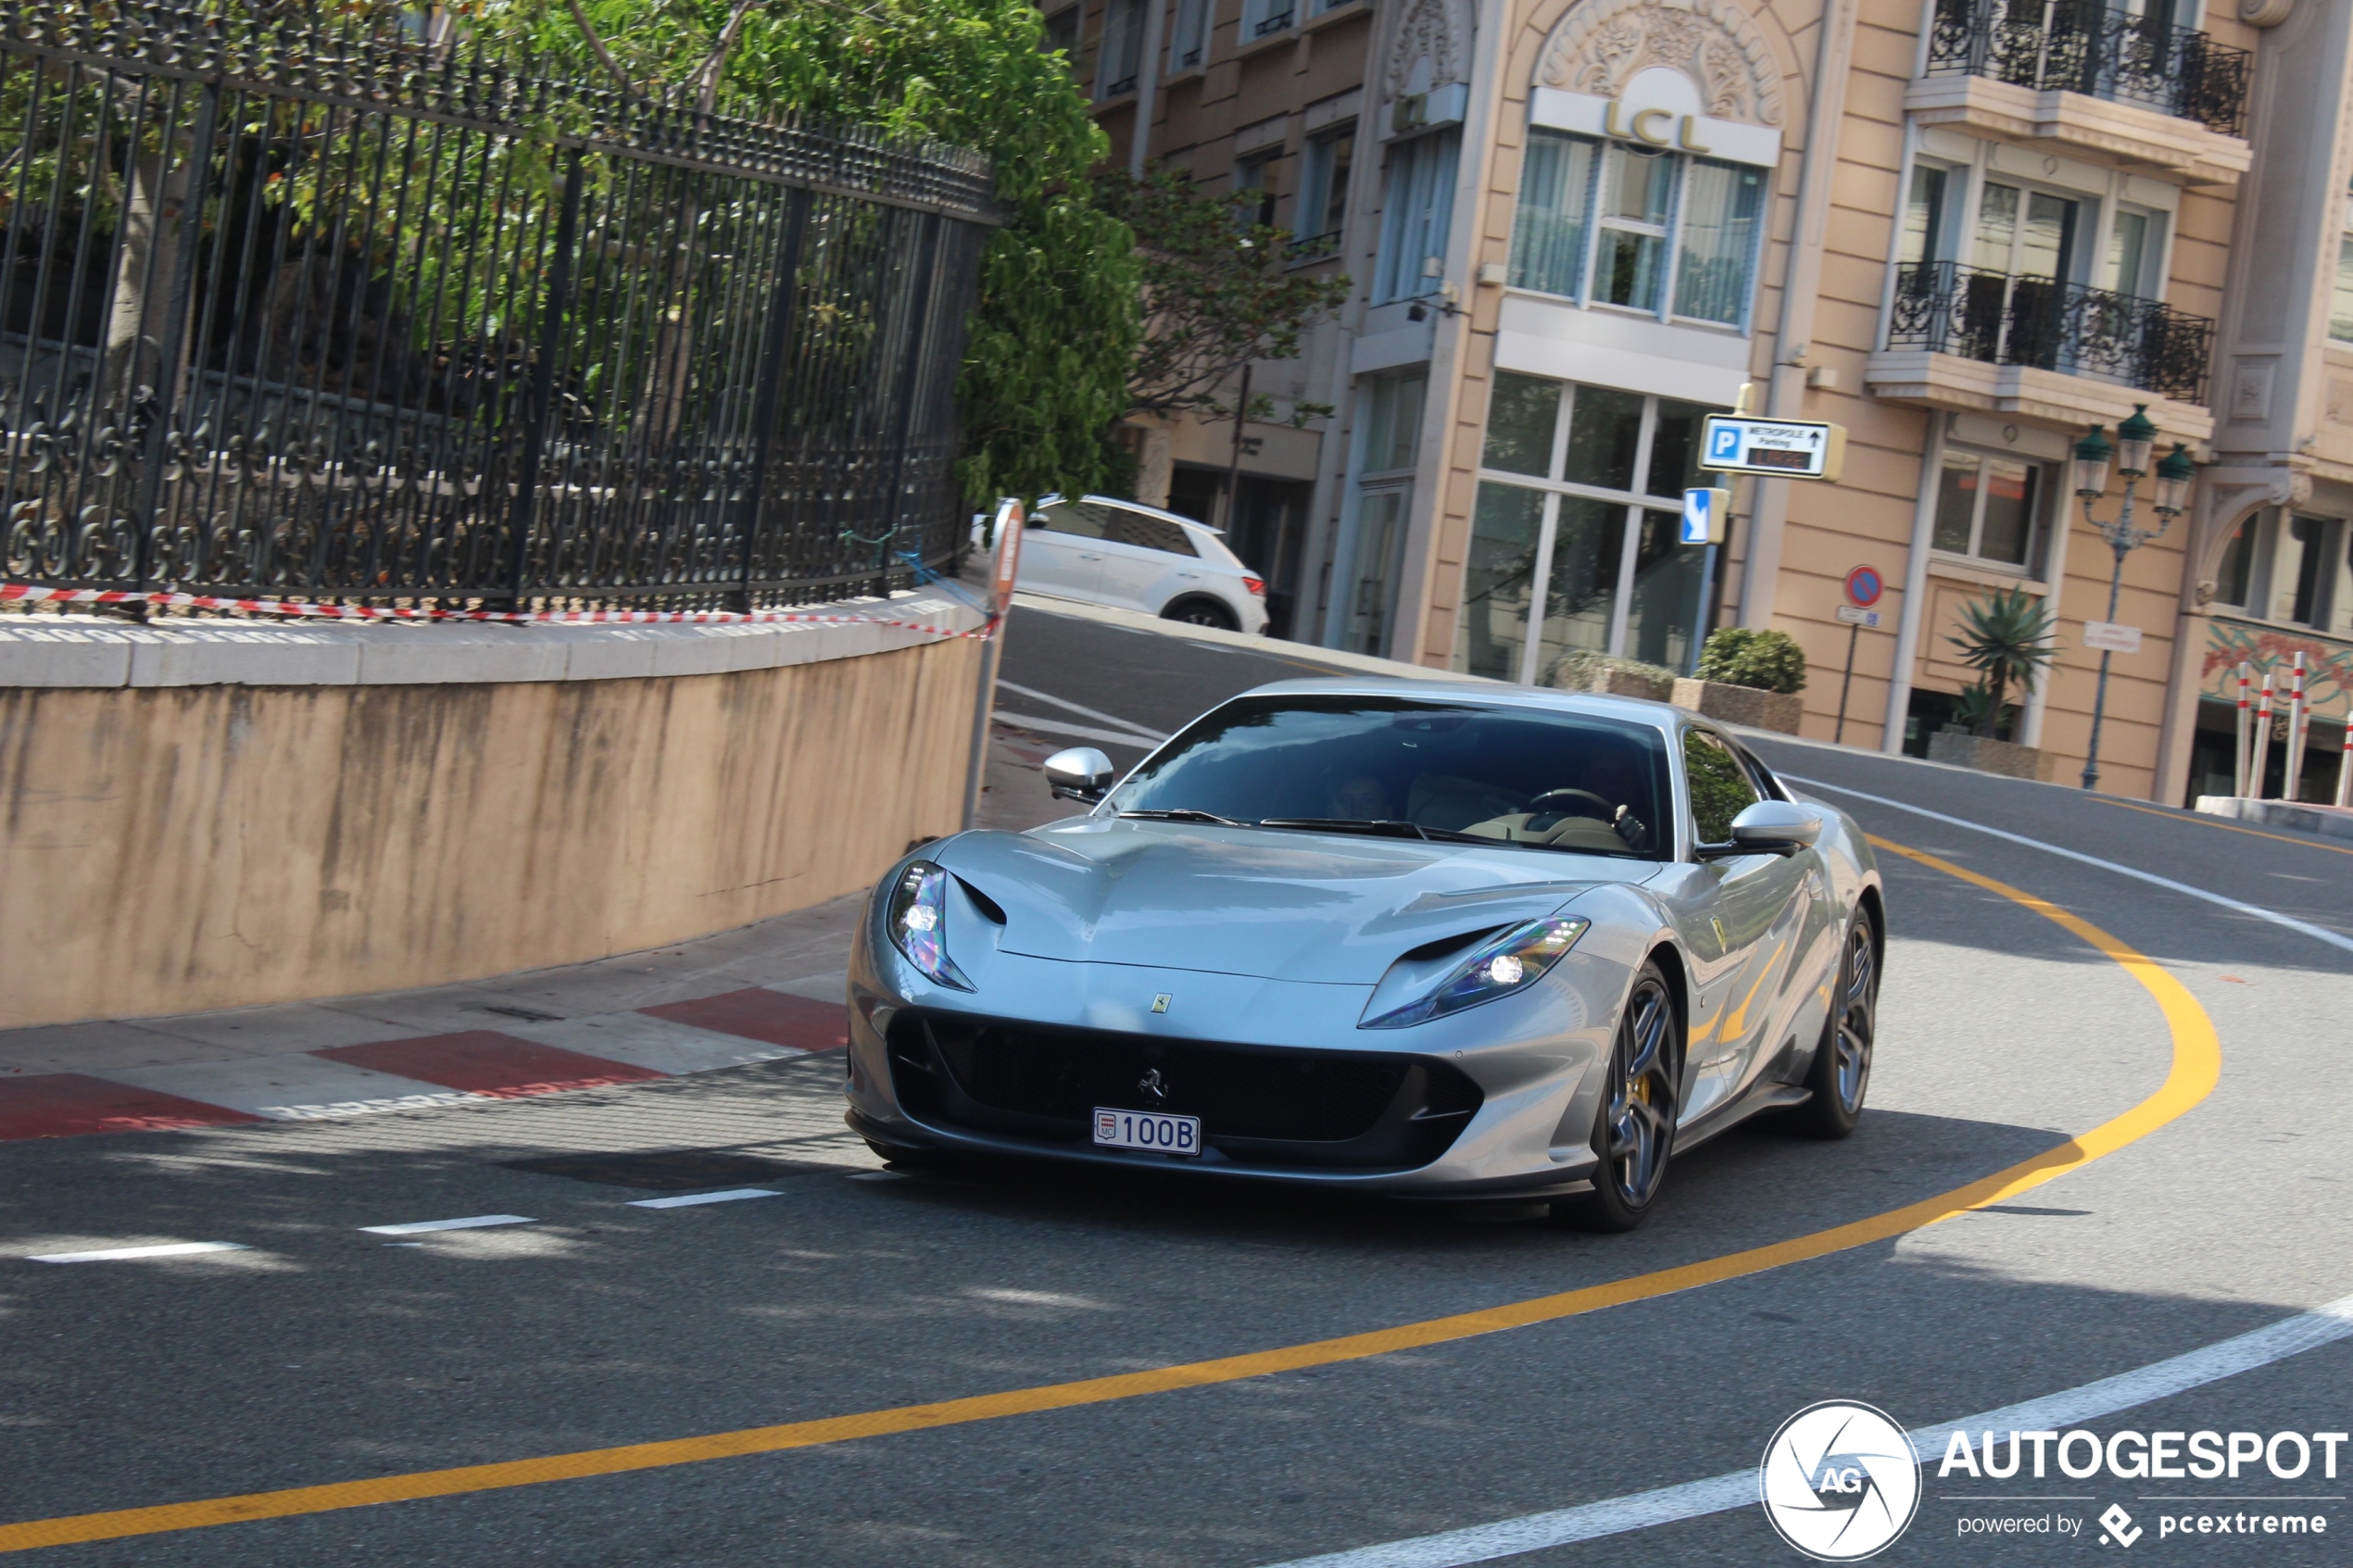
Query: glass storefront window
pixel 1506 531
pixel 1390 444
pixel 1605 433
pixel 1659 620
pixel 1520 424
pixel 1562 538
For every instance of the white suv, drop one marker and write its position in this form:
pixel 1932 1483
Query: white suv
pixel 1135 556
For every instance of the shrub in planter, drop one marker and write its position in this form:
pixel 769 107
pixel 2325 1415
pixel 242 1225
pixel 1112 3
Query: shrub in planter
pixel 1770 661
pixel 1750 678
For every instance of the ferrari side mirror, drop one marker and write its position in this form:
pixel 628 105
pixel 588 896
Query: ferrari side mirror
pixel 1080 773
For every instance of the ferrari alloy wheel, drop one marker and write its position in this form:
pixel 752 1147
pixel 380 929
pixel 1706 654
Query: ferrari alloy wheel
pixel 1634 1133
pixel 1841 1071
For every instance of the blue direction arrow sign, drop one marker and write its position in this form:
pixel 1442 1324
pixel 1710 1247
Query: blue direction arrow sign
pixel 1706 515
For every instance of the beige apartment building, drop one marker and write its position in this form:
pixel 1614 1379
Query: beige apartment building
pixel 1964 230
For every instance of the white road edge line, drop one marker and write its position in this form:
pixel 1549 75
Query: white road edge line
pixel 474 1222
pixel 2317 932
pixel 1074 732
pixel 117 1254
pixel 1721 1494
pixel 689 1200
pixel 1065 703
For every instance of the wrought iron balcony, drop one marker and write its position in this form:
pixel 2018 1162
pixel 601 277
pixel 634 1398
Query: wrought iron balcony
pixel 2083 47
pixel 1998 319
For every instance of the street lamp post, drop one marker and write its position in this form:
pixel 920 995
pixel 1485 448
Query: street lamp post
pixel 2135 439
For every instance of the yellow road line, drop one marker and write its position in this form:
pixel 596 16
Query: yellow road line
pixel 2199 819
pixel 2197 1061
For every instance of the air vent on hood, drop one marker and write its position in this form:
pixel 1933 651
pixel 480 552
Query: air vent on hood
pixel 981 901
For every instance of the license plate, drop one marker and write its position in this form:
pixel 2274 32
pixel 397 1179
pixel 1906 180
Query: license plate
pixel 1147 1129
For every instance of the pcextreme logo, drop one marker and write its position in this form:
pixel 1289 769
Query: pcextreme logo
pixel 1839 1481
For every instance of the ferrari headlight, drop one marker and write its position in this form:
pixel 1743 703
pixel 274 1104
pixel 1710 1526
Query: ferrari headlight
pixel 918 920
pixel 1497 967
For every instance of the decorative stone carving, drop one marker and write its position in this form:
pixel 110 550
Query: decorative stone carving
pixel 1601 45
pixel 1437 32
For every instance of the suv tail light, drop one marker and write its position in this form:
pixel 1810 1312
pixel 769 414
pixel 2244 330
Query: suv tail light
pixel 1256 586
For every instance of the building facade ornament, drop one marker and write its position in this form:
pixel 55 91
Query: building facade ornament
pixel 2227 495
pixel 1433 48
pixel 1600 46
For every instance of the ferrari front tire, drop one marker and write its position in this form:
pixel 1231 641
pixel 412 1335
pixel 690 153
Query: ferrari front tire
pixel 1841 1074
pixel 1634 1126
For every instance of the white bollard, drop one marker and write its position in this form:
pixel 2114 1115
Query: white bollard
pixel 2292 779
pixel 2238 753
pixel 2259 759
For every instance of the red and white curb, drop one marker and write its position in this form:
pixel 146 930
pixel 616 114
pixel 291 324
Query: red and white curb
pixel 33 592
pixel 427 1071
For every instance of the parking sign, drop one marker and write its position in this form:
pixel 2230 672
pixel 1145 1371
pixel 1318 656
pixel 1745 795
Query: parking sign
pixel 1780 448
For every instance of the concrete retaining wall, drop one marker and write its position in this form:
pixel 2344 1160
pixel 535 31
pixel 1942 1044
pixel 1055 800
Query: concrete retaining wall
pixel 258 822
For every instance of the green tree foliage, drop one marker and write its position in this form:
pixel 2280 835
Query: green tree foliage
pixel 1056 323
pixel 1767 660
pixel 2005 637
pixel 1218 294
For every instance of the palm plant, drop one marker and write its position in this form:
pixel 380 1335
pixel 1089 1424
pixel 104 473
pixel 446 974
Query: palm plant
pixel 2005 637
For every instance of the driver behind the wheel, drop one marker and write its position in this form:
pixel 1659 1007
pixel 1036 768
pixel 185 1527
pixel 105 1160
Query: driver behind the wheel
pixel 1363 799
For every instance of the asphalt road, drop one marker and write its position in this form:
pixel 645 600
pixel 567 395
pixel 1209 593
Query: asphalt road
pixel 324 1354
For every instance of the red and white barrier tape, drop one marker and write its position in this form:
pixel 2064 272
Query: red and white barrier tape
pixel 27 593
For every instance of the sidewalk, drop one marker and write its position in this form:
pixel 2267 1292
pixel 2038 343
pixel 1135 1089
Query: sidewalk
pixel 755 994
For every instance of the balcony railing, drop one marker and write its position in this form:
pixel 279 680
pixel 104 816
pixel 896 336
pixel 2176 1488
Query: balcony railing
pixel 2142 343
pixel 2083 47
pixel 1313 248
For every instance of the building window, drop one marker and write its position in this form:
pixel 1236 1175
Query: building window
pixel 1256 173
pixel 1123 50
pixel 1927 217
pixel 1060 32
pixel 1417 203
pixel 1263 18
pixel 1665 234
pixel 1389 441
pixel 2341 298
pixel 1189 44
pixel 2284 567
pixel 1323 193
pixel 1989 506
pixel 1576 531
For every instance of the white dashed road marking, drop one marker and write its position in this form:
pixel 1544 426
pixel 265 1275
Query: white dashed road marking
pixel 474 1222
pixel 117 1254
pixel 689 1200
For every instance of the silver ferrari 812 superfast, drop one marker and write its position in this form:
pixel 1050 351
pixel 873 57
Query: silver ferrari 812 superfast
pixel 1428 939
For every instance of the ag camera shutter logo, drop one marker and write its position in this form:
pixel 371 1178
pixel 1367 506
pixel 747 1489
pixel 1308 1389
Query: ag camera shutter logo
pixel 1839 1481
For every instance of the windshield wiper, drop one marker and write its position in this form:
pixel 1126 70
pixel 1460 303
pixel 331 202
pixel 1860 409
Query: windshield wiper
pixel 1183 814
pixel 1378 827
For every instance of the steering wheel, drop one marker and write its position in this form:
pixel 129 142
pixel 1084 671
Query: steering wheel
pixel 1607 812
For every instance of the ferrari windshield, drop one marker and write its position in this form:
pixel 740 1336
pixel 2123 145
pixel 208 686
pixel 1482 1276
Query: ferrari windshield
pixel 1415 769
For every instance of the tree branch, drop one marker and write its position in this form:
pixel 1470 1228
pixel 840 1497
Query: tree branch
pixel 596 47
pixel 707 78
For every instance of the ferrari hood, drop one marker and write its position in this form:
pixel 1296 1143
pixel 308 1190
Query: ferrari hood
pixel 1254 901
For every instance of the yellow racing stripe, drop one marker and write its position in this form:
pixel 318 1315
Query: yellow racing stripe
pixel 2196 1064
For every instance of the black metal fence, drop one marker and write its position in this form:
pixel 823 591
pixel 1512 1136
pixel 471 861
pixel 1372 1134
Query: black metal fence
pixel 2089 46
pixel 1948 308
pixel 290 309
